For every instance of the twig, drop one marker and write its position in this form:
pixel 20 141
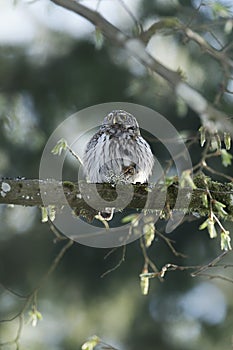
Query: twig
pixel 130 13
pixel 75 155
pixel 210 264
pixel 170 245
pixel 211 277
pixel 54 265
pixel 122 259
pixel 147 260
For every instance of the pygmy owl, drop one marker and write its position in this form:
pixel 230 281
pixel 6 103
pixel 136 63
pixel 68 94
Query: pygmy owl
pixel 117 153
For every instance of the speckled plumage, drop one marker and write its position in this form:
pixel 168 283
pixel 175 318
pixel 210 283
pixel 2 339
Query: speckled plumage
pixel 117 153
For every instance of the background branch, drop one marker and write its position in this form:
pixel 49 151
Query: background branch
pixel 172 23
pixel 211 118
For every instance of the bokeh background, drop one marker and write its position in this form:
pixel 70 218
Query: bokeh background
pixel 53 64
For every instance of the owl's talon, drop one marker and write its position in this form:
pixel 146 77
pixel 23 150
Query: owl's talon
pixel 107 215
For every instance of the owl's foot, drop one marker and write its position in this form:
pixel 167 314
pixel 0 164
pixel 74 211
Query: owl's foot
pixel 105 216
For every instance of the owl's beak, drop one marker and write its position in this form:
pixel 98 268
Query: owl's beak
pixel 114 120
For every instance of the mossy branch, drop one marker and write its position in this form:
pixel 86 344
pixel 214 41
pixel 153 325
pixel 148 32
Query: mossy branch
pixel 28 193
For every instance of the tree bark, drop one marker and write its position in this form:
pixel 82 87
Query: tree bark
pixel 33 192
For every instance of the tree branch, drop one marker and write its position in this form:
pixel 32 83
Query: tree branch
pixel 213 119
pixel 28 193
pixel 175 24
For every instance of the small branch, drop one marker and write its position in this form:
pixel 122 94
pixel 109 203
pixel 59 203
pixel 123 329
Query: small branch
pixel 147 261
pixel 174 23
pixel 205 46
pixel 214 262
pixel 169 242
pixel 54 265
pixel 200 270
pixel 122 259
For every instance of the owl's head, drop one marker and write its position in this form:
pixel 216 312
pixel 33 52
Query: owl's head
pixel 121 117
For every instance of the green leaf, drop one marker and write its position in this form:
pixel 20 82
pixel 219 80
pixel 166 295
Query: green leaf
pixel 204 225
pixel 51 212
pixel 219 9
pixel 48 212
pixel 227 140
pixel 205 200
pixel 149 233
pixel 44 214
pixel 214 146
pixel 91 343
pixel 133 218
pixel 144 284
pixel 226 158
pixel 186 180
pixel 219 207
pixel 59 147
pixel 35 316
pixel 225 240
pixel 209 224
pixel 169 181
pixel 202 131
pixel 215 142
pixel 211 229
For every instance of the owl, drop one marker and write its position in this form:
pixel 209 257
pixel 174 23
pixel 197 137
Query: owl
pixel 117 153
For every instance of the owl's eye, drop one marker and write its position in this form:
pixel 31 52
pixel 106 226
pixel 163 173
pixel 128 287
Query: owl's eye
pixel 110 115
pixel 130 170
